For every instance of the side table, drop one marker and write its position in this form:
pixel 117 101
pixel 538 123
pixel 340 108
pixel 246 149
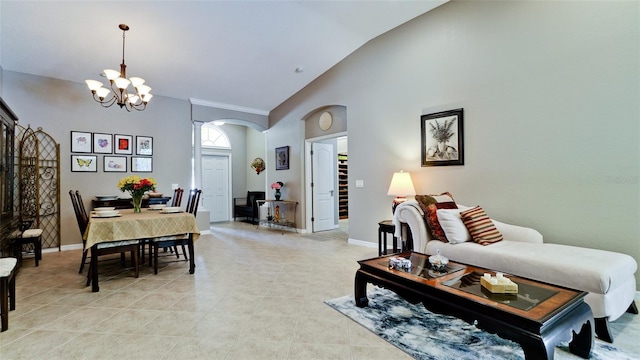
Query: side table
pixel 386 227
pixel 280 213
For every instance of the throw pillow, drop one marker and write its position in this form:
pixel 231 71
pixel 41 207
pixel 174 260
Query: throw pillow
pixel 480 226
pixel 431 217
pixel 453 226
pixel 429 205
pixel 426 200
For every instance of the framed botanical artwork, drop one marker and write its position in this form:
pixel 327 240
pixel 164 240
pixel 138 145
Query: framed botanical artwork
pixel 144 145
pixel 282 158
pixel 123 144
pixel 442 138
pixel 80 142
pixel 141 164
pixel 115 163
pixel 102 143
pixel 84 163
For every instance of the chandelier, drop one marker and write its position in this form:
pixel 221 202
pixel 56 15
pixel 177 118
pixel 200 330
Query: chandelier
pixel 119 92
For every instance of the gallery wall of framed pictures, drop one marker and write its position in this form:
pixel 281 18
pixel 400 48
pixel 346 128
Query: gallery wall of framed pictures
pixel 113 148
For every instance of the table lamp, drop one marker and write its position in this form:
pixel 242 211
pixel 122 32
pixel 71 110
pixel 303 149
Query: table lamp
pixel 401 186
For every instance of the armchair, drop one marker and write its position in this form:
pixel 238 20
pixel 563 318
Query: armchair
pixel 247 207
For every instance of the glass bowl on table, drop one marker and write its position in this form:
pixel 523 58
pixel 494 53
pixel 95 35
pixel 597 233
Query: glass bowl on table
pixel 438 262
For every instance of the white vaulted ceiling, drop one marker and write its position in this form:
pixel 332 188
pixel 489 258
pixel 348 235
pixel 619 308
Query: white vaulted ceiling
pixel 240 53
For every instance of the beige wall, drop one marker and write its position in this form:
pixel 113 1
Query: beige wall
pixel 255 148
pixel 552 123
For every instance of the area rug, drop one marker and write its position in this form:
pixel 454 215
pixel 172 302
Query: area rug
pixel 427 335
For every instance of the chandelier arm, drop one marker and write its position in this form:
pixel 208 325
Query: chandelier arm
pixel 140 106
pixel 106 105
pixel 104 102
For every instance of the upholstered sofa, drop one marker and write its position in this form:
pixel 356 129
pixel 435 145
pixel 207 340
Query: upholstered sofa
pixel 607 276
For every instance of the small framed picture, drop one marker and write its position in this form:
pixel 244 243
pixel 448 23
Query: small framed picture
pixel 115 163
pixel 282 158
pixel 102 143
pixel 123 144
pixel 80 142
pixel 84 163
pixel 141 164
pixel 144 145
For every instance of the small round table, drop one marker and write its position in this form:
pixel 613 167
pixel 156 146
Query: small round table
pixel 386 227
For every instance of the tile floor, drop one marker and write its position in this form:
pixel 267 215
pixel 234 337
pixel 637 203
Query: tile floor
pixel 256 294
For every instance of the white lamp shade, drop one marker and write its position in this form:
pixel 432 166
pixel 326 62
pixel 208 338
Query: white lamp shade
pixel 111 74
pixel 143 89
pixel 102 92
pixel 122 83
pixel 146 97
pixel 136 81
pixel 93 84
pixel 133 99
pixel 401 185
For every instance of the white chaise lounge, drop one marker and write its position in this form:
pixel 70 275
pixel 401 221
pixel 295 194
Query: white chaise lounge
pixel 608 277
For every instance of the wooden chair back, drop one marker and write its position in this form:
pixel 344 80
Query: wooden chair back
pixel 177 197
pixel 79 209
pixel 193 201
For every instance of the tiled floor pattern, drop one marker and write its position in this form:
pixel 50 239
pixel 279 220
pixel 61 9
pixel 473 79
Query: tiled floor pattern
pixel 256 294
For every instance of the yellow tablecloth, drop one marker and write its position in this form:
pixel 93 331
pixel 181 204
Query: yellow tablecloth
pixel 144 225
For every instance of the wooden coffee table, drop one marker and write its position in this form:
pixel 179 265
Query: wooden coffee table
pixel 539 317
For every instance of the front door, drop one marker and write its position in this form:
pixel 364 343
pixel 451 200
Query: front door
pixel 215 186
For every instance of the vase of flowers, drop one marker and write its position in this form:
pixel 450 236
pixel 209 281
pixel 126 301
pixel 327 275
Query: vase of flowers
pixel 136 187
pixel 277 186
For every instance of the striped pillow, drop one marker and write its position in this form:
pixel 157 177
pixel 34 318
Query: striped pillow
pixel 480 226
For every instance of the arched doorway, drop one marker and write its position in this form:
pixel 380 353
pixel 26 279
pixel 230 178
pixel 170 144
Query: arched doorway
pixel 216 172
pixel 326 211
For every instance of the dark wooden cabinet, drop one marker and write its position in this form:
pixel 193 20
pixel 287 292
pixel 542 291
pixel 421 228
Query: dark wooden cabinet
pixel 8 223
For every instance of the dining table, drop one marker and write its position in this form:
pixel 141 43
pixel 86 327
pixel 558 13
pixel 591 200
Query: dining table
pixel 147 224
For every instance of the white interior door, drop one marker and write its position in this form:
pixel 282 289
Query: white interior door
pixel 323 190
pixel 215 187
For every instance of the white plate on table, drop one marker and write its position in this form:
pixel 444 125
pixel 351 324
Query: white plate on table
pixel 171 210
pixel 99 209
pixel 105 214
pixel 157 206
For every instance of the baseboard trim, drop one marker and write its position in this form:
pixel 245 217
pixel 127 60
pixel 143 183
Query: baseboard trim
pixel 368 244
pixel 69 247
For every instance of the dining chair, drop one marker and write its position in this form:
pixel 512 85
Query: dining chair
pixel 7 289
pixel 175 202
pixel 177 197
pixel 82 219
pixel 102 248
pixel 26 236
pixel 175 240
pixel 114 247
pixel 193 201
